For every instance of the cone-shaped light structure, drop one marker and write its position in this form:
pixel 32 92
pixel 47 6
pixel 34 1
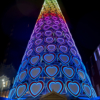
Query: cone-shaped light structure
pixel 51 60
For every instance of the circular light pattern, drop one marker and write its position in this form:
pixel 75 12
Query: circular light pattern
pixel 73 51
pixel 37 30
pixel 29 52
pixel 12 93
pixel 39 49
pixel 56 22
pixel 41 23
pixel 30 45
pixel 57 86
pixel 53 14
pixel 35 72
pixel 49 58
pixel 24 63
pixel 21 89
pixel 67 36
pixel 60 40
pixel 46 15
pixel 55 27
pixel 38 35
pixel 40 20
pixel 63 24
pixel 68 71
pixel 51 48
pixel 48 22
pixel 51 71
pixel 64 29
pixel 76 61
pixel 58 33
pixel 48 33
pixel 64 58
pixel 87 90
pixel 46 27
pixel 70 43
pixel 34 60
pixel 35 88
pixel 61 20
pixel 64 49
pixel 46 18
pixel 54 18
pixel 81 74
pixel 49 40
pixel 38 42
pixel 73 88
pixel 22 75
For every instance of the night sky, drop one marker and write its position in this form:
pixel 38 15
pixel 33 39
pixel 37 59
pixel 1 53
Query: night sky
pixel 18 17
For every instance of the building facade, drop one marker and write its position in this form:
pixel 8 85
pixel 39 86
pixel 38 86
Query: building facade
pixel 93 69
pixel 7 74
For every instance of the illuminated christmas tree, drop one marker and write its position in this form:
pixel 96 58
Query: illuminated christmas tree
pixel 51 60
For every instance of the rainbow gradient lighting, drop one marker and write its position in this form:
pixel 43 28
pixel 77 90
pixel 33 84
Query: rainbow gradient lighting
pixel 51 60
